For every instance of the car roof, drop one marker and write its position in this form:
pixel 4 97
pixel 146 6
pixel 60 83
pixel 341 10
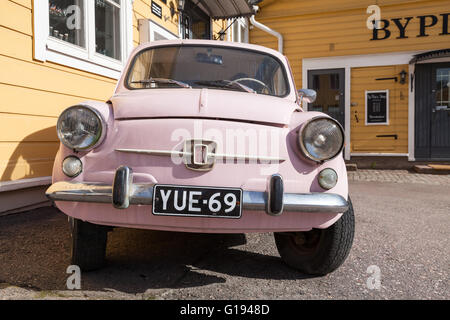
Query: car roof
pixel 209 43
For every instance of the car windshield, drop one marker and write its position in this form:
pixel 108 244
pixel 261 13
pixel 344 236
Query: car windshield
pixel 222 68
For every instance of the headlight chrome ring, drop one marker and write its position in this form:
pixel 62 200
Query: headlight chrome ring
pixel 72 166
pixel 325 144
pixel 328 178
pixel 83 133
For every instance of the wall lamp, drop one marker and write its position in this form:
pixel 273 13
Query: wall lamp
pixel 403 75
pixel 181 4
pixel 180 7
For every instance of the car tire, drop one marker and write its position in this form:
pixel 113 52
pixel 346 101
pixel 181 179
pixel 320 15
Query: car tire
pixel 319 251
pixel 88 244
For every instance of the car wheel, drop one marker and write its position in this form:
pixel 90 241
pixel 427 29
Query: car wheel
pixel 88 244
pixel 319 251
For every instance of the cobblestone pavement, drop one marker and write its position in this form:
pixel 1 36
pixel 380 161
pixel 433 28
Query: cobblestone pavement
pixel 399 176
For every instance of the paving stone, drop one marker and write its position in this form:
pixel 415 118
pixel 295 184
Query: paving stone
pixel 398 176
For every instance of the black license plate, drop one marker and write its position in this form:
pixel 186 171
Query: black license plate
pixel 170 200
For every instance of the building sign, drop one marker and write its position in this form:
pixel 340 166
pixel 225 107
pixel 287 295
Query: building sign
pixel 377 107
pixel 402 25
pixel 156 9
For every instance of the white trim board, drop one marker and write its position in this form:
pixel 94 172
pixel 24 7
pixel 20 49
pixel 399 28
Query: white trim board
pixel 365 154
pixel 24 183
pixel 368 60
pixel 354 61
pixel 148 28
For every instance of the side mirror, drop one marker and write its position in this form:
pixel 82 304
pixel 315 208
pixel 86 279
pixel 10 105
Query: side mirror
pixel 307 95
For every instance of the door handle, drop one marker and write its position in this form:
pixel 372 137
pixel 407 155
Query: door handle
pixel 395 136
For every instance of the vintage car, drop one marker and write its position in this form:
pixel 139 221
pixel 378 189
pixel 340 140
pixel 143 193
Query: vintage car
pixel 209 137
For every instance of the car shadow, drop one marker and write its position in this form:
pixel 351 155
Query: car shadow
pixel 35 253
pixel 139 260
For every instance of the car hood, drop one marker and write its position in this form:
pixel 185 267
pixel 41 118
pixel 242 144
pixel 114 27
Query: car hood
pixel 202 103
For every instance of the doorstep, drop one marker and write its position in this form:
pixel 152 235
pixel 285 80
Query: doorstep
pixel 432 169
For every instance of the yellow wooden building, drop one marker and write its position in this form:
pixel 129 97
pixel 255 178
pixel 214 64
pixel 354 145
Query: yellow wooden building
pixel 381 67
pixel 56 53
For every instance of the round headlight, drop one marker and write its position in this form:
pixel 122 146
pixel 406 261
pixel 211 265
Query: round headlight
pixel 72 166
pixel 80 128
pixel 328 178
pixel 321 139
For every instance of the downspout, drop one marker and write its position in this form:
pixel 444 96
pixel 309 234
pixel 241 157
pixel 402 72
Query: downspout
pixel 265 28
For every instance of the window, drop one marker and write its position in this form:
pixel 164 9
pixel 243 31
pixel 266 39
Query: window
pixel 150 31
pixel 195 24
pixel 91 35
pixel 220 68
pixel 107 28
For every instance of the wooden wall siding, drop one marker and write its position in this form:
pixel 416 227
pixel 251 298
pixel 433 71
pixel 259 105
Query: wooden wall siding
pixel 364 138
pixel 327 28
pixel 34 93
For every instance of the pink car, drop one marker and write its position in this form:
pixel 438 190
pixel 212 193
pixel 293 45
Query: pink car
pixel 205 136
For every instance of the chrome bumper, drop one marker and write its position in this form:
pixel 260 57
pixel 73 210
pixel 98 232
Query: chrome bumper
pixel 142 194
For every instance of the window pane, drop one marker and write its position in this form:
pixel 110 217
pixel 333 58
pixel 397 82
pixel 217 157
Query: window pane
pixel 207 66
pixel 67 21
pixel 443 88
pixel 107 28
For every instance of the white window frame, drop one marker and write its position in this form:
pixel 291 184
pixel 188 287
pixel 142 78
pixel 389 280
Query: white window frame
pixel 148 28
pixel 48 48
pixel 241 23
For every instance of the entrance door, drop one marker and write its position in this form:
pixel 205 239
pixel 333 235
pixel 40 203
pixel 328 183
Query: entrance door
pixel 379 110
pixel 330 87
pixel 195 23
pixel 432 111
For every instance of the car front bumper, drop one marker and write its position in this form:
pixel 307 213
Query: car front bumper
pixel 124 193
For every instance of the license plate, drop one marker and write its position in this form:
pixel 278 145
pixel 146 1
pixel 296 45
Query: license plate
pixel 170 200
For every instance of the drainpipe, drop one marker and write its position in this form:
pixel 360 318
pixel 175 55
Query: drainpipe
pixel 265 28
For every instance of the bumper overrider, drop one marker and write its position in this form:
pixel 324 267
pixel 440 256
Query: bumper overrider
pixel 124 193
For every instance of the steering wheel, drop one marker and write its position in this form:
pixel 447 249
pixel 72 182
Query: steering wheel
pixel 262 84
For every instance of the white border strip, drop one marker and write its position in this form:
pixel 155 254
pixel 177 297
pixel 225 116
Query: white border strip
pixel 386 91
pixel 362 154
pixel 24 183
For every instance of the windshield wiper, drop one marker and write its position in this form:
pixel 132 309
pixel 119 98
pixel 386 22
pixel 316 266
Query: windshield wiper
pixel 163 80
pixel 226 84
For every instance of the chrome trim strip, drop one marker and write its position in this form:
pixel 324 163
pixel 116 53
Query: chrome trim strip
pixel 142 194
pixel 220 156
pixel 155 152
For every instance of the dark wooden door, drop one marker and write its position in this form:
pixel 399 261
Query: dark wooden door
pixel 432 112
pixel 330 87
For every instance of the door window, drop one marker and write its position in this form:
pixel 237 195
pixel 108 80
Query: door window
pixel 442 88
pixel 329 85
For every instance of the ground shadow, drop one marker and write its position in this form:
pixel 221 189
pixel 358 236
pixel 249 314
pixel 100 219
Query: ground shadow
pixel 35 252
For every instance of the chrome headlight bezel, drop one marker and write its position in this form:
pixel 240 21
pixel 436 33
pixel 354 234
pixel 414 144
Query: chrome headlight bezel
pixel 73 158
pixel 98 138
pixel 304 150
